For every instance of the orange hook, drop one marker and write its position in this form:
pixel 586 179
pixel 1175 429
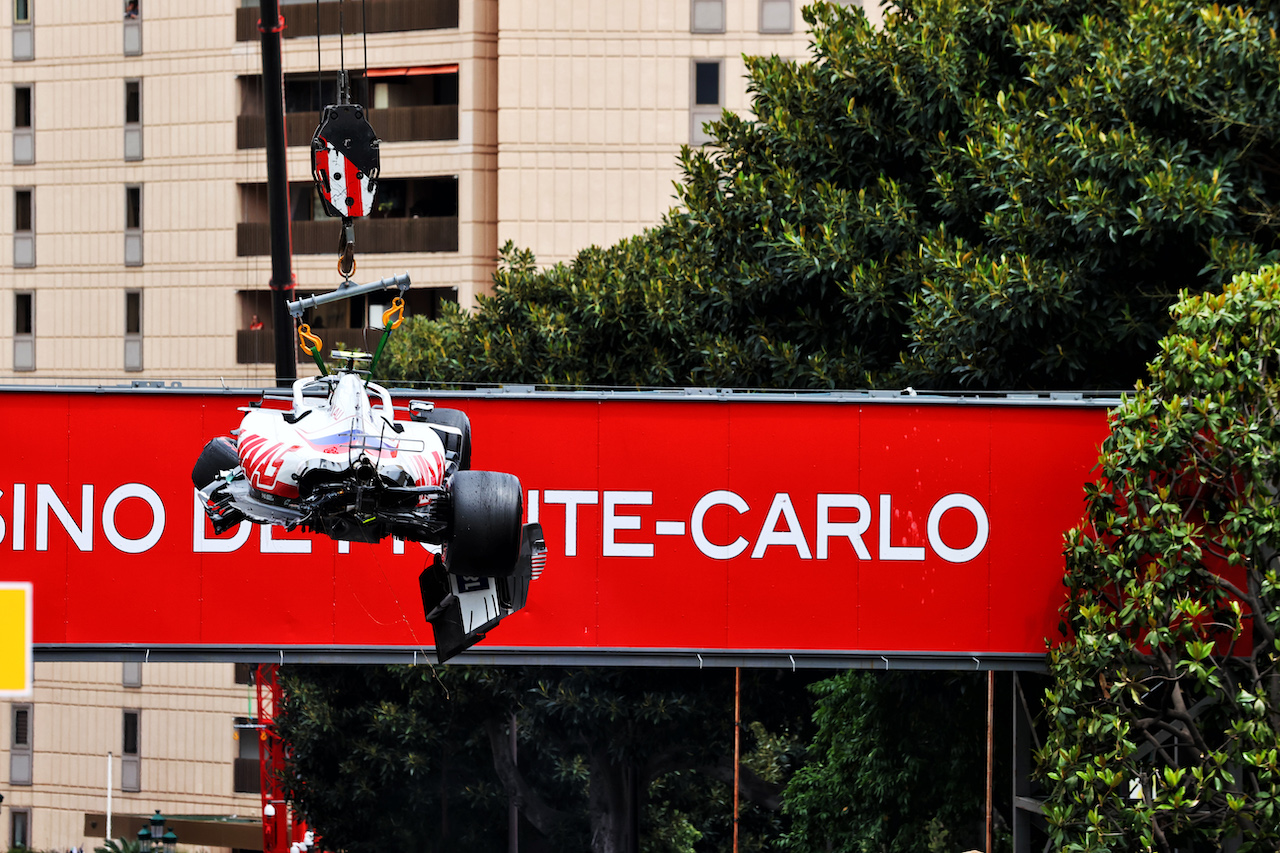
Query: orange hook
pixel 396 310
pixel 305 337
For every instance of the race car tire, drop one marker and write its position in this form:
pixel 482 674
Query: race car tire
pixel 487 510
pixel 218 455
pixel 457 420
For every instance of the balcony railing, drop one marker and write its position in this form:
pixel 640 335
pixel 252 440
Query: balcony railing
pixel 258 346
pixel 373 236
pixel 384 16
pixel 395 124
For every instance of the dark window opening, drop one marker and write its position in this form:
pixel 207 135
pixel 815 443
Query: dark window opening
pixel 131 733
pixel 133 102
pixel 19 829
pixel 22 219
pixel 131 9
pixel 707 83
pixel 133 207
pixel 404 104
pixel 410 215
pixel 247 673
pixel 133 312
pixel 306 17
pixel 23 324
pixel 22 106
pixel 21 11
pixel 22 725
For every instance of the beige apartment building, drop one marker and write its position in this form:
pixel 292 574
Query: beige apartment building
pixel 134 178
pixel 180 738
pixel 136 181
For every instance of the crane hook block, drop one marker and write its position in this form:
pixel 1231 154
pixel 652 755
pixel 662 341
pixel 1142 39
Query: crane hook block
pixel 345 160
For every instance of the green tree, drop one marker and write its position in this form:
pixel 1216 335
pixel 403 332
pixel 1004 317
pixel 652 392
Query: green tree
pixel 896 763
pixel 997 194
pixel 420 757
pixel 1165 708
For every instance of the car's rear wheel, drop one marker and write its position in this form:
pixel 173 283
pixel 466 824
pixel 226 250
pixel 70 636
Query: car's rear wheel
pixel 218 455
pixel 454 442
pixel 487 510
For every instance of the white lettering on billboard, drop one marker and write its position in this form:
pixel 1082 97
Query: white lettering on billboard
pixel 47 500
pixel 719 497
pixel 851 530
pixel 121 494
pixel 781 528
pixel 572 499
pixel 974 548
pixel 613 522
pixel 19 516
pixel 269 545
pixel 201 544
pixel 781 508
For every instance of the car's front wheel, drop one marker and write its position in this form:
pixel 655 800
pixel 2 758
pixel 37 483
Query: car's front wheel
pixel 218 455
pixel 488 508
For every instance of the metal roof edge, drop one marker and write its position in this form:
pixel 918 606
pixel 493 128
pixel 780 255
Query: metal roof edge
pixel 554 656
pixel 1068 399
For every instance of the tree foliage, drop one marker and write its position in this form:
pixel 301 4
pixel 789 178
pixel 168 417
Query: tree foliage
pixel 420 757
pixel 897 765
pixel 995 194
pixel 1165 709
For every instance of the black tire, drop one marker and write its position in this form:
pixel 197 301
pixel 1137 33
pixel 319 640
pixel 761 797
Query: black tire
pixel 458 420
pixel 218 455
pixel 487 510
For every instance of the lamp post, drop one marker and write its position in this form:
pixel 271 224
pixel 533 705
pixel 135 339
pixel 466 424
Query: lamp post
pixel 157 831
pixel 154 838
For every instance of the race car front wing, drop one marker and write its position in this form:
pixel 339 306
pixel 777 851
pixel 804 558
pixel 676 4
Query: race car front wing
pixel 463 609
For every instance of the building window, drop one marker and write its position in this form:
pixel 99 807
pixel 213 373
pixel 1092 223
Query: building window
pixel 133 332
pixel 247 772
pixel 132 675
pixel 706 16
pixel 20 741
pixel 19 829
pixel 246 673
pixel 132 28
pixel 776 16
pixel 24 38
pixel 133 225
pixel 24 330
pixel 707 85
pixel 130 752
pixel 24 139
pixel 133 119
pixel 24 227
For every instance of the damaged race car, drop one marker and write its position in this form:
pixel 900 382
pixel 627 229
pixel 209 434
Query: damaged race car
pixel 338 460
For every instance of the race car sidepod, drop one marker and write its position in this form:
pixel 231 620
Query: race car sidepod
pixel 462 609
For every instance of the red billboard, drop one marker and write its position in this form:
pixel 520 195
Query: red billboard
pixel 691 525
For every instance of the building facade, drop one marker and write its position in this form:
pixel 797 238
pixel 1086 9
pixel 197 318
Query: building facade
pixel 178 737
pixel 135 169
pixel 133 185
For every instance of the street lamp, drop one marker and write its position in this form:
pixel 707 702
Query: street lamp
pixel 153 838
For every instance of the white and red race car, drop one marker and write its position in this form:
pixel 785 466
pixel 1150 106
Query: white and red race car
pixel 338 461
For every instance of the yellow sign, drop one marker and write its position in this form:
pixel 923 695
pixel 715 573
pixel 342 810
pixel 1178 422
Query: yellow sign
pixel 15 640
